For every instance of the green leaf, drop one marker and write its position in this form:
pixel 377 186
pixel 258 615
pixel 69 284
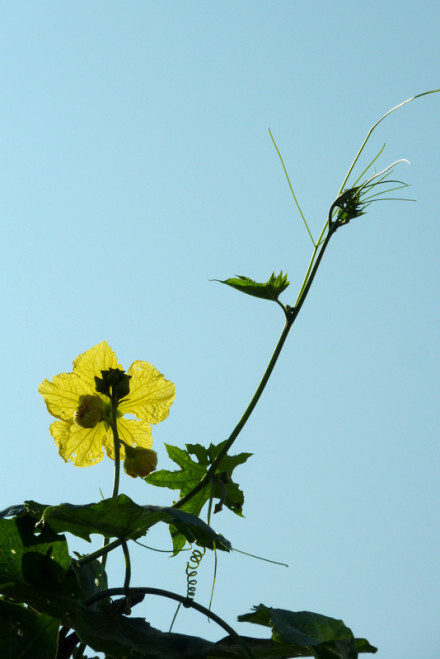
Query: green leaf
pixel 122 518
pixel 271 290
pixel 38 558
pixel 324 637
pixel 107 631
pixel 191 473
pixel 26 634
pixel 90 577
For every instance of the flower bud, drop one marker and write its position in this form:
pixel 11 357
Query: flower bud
pixel 350 205
pixel 139 461
pixel 89 412
pixel 113 380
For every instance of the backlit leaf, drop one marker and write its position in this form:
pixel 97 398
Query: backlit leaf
pixel 270 290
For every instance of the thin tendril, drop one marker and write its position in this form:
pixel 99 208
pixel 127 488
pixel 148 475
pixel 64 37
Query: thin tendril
pixel 344 182
pixel 208 521
pixel 164 551
pixel 175 616
pixel 214 577
pixel 368 166
pixel 291 188
pixel 260 558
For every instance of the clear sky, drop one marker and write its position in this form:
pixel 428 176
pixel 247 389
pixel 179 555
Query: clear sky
pixel 136 166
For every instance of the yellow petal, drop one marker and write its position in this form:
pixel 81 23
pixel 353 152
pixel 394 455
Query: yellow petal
pixel 83 446
pixel 150 394
pixel 93 361
pixel 133 433
pixel 62 394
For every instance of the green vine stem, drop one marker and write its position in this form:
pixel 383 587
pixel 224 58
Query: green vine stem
pixel 240 425
pixel 127 565
pixel 291 314
pixel 185 601
pixel 105 549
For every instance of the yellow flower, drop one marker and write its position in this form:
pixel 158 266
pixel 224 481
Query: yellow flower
pixel 84 414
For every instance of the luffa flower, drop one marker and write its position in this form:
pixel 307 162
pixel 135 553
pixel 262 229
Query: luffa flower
pixel 83 426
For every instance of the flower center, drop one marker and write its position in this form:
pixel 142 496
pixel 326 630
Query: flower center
pixel 90 411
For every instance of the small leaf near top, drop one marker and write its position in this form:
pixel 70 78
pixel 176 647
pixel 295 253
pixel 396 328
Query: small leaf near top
pixel 270 290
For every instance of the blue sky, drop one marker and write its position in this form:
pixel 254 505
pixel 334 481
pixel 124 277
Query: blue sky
pixel 135 167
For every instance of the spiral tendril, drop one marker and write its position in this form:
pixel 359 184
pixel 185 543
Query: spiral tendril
pixel 191 571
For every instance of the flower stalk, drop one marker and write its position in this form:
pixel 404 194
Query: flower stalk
pixel 117 468
pixel 116 444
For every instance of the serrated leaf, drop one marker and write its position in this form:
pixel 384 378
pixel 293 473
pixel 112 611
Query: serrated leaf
pixel 191 473
pixel 269 290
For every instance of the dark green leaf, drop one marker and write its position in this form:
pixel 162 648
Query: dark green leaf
pixel 329 638
pixel 362 645
pixel 12 511
pixel 29 555
pixel 122 518
pixel 90 578
pixel 270 290
pixel 25 634
pixel 108 631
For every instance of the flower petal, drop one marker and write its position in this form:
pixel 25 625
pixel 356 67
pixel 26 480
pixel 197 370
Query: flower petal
pixel 133 433
pixel 62 394
pixel 93 361
pixel 83 446
pixel 150 394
